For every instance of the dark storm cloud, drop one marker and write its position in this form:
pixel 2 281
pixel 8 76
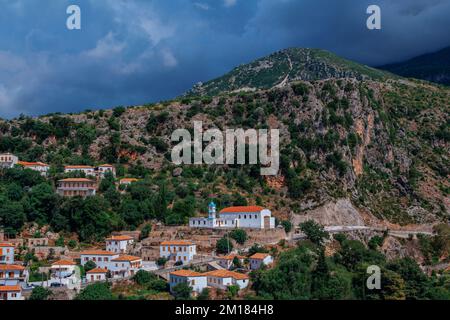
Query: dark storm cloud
pixel 133 52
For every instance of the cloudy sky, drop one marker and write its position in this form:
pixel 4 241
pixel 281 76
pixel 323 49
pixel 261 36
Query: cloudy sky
pixel 138 51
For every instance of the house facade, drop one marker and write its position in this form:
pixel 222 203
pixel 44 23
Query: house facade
pixel 255 217
pixel 40 167
pixel 76 187
pixel 11 292
pixel 12 272
pixel 104 168
pixel 259 259
pixel 222 279
pixel 101 258
pixel 119 244
pixel 197 281
pixel 97 274
pixel 125 266
pixel 178 250
pixel 88 170
pixel 6 253
pixel 226 262
pixel 8 160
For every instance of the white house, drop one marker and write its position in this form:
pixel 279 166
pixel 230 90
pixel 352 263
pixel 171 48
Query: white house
pixel 235 217
pixel 101 258
pixel 119 244
pixel 104 168
pixel 227 261
pixel 223 278
pixel 197 281
pixel 36 166
pixel 11 292
pixel 97 274
pixel 178 250
pixel 12 272
pixel 88 170
pixel 62 269
pixel 258 259
pixel 125 266
pixel 8 160
pixel 6 253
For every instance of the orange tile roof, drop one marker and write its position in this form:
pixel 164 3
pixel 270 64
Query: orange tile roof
pixel 6 244
pixel 227 274
pixel 30 164
pixel 186 273
pixel 97 270
pixel 76 180
pixel 98 253
pixel 106 165
pixel 242 209
pixel 126 258
pixel 9 288
pixel 119 238
pixel 177 243
pixel 259 256
pixel 64 263
pixel 6 267
pixel 128 180
pixel 78 167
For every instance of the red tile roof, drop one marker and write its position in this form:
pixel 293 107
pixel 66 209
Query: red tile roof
pixel 64 263
pixel 9 288
pixel 119 238
pixel 78 167
pixel 242 209
pixel 126 258
pixel 6 244
pixel 97 270
pixel 259 256
pixel 177 243
pixel 30 164
pixel 186 273
pixel 7 267
pixel 226 274
pixel 76 180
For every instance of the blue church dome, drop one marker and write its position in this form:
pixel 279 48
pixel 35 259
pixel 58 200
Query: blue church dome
pixel 212 204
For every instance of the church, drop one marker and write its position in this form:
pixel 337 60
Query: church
pixel 254 217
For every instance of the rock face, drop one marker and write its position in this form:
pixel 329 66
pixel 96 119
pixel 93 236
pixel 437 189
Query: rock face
pixel 339 213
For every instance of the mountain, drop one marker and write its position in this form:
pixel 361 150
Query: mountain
pixel 377 145
pixel 286 66
pixel 434 67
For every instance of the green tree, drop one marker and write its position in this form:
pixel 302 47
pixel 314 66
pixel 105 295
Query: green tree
pixel 40 293
pixel 224 245
pixel 204 295
pixel 239 235
pixel 90 265
pixel 314 232
pixel 287 225
pixel 96 291
pixel 182 291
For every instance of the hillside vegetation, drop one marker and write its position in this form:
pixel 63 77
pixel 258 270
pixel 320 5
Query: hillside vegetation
pixel 382 143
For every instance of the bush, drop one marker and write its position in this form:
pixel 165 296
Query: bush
pixel 287 225
pixel 239 235
pixel 314 232
pixel 224 245
pixel 40 293
pixel 96 291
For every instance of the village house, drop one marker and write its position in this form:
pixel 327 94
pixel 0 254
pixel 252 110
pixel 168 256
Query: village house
pixel 8 160
pixel 127 181
pixel 11 273
pixel 6 253
pixel 197 281
pixel 177 250
pixel 104 168
pixel 255 217
pixel 62 269
pixel 119 244
pixel 125 266
pixel 226 262
pixel 97 274
pixel 259 259
pixel 101 258
pixel 36 166
pixel 76 187
pixel 88 170
pixel 222 279
pixel 11 292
